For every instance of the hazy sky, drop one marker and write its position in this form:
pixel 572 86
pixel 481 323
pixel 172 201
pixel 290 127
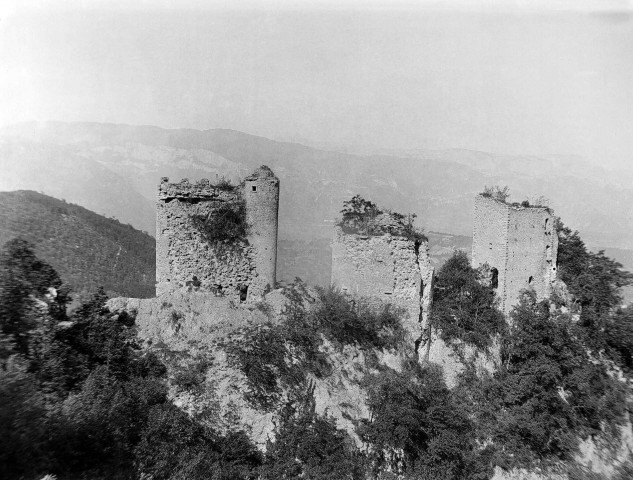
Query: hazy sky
pixel 535 78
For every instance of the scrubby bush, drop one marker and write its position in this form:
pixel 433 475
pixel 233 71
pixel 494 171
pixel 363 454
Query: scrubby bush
pixel 274 357
pixel 191 375
pixel 224 184
pixel 309 446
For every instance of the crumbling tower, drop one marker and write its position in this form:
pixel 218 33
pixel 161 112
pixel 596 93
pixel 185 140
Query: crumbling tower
pixel 519 244
pixel 187 257
pixel 261 193
pixel 385 268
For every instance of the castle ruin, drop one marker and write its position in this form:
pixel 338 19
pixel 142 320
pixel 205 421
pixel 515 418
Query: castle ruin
pixel 385 269
pixel 519 244
pixel 189 257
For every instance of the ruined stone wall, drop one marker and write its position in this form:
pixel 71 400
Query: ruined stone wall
pixel 385 269
pixel 520 243
pixel 532 252
pixel 241 267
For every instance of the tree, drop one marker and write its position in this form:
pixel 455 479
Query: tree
pixel 415 427
pixel 175 447
pixel 308 446
pixel 549 391
pixel 593 279
pixel 25 280
pixel 464 306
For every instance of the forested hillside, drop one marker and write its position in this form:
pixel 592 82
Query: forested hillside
pixel 86 249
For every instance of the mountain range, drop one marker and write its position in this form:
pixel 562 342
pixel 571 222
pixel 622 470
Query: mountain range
pixel 114 170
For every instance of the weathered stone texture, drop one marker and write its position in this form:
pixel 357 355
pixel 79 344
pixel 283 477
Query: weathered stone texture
pixel 261 193
pixel 384 269
pixel 182 252
pixel 520 243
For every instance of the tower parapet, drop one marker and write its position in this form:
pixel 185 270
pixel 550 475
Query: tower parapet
pixel 519 244
pixel 218 238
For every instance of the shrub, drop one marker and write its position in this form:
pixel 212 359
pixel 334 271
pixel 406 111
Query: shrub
pixel 224 184
pixel 191 375
pixel 261 356
pixel 227 222
pixel 349 323
pixel 173 446
pixel 310 446
pixel 497 193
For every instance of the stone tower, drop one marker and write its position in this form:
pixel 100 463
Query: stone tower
pixel 261 193
pixel 240 267
pixel 520 246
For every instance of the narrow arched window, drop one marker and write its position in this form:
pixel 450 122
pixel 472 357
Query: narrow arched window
pixel 494 279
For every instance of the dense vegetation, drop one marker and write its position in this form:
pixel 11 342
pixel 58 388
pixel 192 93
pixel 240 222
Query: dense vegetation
pixel 86 249
pixel 553 385
pixel 464 308
pixel 82 399
pixel 361 216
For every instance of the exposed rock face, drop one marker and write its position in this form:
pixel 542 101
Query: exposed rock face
pixel 192 326
pixel 520 246
pixel 186 258
pixel 196 325
pixel 385 269
pixel 453 358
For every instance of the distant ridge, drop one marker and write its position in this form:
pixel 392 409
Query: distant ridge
pixel 114 169
pixel 87 250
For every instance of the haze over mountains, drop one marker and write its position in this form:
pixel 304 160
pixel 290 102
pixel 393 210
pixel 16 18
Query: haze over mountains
pixel 114 169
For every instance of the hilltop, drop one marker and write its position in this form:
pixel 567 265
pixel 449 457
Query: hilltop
pixel 86 249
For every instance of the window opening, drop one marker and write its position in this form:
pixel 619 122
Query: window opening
pixel 254 188
pixel 494 280
pixel 243 293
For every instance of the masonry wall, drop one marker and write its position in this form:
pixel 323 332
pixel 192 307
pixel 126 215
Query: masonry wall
pixel 245 267
pixel 532 252
pixel 520 243
pixel 384 269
